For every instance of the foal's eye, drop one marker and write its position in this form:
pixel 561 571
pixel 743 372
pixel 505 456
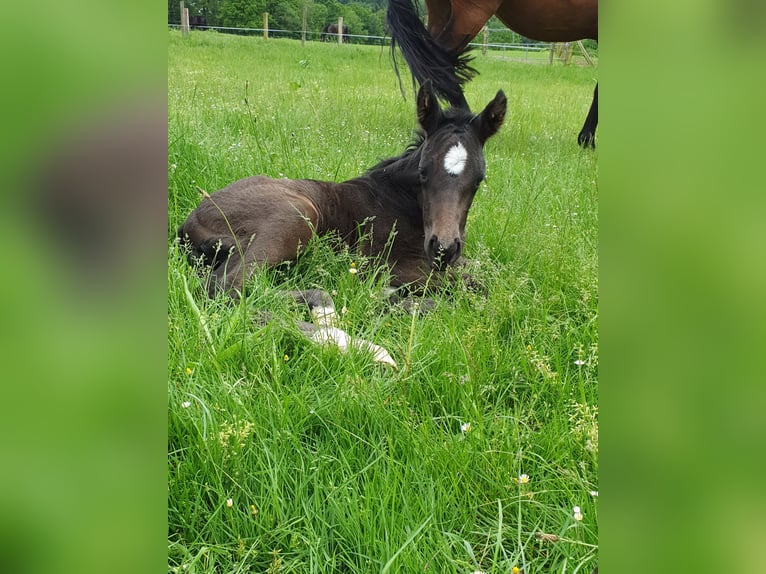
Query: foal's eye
pixel 423 172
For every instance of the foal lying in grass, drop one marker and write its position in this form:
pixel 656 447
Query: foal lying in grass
pixel 419 200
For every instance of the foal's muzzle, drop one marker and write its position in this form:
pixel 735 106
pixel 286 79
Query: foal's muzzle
pixel 441 255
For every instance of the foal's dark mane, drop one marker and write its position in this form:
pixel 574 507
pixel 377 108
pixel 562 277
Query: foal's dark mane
pixel 383 180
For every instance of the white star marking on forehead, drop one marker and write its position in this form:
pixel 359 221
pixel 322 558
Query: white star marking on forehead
pixel 455 158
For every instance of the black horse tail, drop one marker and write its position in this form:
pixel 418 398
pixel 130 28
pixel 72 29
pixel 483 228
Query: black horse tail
pixel 426 58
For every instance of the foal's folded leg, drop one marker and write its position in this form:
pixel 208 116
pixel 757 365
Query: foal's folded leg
pixel 323 330
pixel 325 335
pixel 221 278
pixel 320 304
pixel 232 274
pixel 410 299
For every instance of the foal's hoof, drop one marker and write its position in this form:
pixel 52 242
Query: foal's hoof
pixel 418 306
pixel 412 306
pixel 380 355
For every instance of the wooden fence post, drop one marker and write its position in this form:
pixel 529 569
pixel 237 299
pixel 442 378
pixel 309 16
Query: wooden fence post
pixel 585 53
pixel 340 29
pixel 567 52
pixel 265 26
pixel 550 58
pixel 303 25
pixel 184 19
pixel 486 40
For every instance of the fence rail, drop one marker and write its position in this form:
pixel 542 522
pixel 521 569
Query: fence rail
pixel 509 51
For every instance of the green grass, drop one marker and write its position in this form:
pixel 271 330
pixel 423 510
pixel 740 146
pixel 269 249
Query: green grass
pixel 536 56
pixel 336 464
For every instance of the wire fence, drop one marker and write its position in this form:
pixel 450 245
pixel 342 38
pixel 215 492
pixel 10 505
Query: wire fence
pixel 524 52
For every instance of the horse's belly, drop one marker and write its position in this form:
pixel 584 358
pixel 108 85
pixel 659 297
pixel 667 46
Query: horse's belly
pixel 553 21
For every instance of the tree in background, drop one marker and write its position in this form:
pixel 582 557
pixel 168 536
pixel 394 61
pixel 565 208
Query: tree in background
pixel 174 12
pixel 317 17
pixel 334 9
pixel 351 21
pixel 362 17
pixel 242 13
pixel 209 9
pixel 285 14
pixel 371 22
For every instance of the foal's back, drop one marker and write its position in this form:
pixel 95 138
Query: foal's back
pixel 253 221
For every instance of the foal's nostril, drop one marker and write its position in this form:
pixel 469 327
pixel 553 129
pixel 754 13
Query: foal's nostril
pixel 451 253
pixel 441 254
pixel 458 249
pixel 432 247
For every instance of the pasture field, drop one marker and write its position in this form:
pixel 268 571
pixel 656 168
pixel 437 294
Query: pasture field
pixel 286 457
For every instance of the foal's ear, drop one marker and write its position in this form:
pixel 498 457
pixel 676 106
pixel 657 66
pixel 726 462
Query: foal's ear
pixel 492 117
pixel 429 112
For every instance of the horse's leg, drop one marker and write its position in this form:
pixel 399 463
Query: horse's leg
pixel 587 137
pixel 271 245
pixel 439 12
pixel 223 277
pixel 465 23
pixel 323 330
pixel 411 302
pixel 411 282
pixel 320 304
pixel 229 274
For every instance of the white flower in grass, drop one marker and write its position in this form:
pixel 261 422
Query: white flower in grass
pixel 186 404
pixel 229 502
pixel 521 479
pixel 465 428
pixel 579 362
pixel 593 493
pixel 577 514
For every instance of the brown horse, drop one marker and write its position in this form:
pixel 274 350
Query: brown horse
pixel 330 33
pixel 440 52
pixel 420 198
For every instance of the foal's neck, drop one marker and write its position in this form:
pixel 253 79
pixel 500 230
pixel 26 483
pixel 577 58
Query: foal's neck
pixel 393 181
pixel 389 193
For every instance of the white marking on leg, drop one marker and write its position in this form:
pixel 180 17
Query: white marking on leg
pixel 323 315
pixel 379 354
pixel 455 158
pixel 342 340
pixel 332 336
